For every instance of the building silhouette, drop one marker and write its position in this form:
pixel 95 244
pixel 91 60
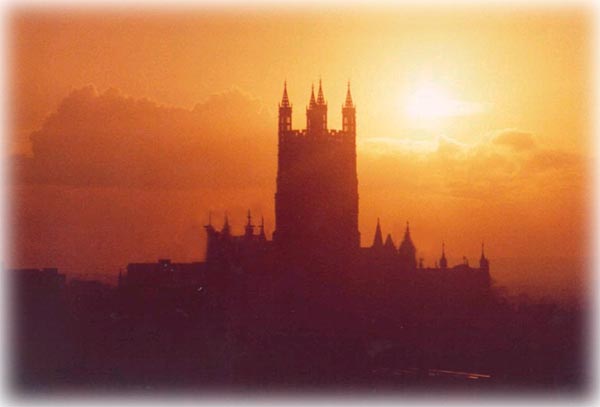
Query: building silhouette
pixel 163 273
pixel 316 206
pixel 316 203
pixel 308 308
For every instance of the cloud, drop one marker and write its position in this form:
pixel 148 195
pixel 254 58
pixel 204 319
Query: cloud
pixel 390 145
pixel 515 139
pixel 228 141
pixel 553 160
pixel 509 163
pixel 109 139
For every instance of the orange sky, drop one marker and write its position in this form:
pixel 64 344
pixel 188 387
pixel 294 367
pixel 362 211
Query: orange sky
pixel 195 94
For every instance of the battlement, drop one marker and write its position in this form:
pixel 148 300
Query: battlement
pixel 328 136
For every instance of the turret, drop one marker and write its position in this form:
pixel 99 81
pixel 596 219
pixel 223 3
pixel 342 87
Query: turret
pixel 349 114
pixel 443 261
pixel 312 103
pixel 378 239
pixel 249 230
pixel 407 251
pixel 209 226
pixel 226 231
pixel 285 112
pixel 261 233
pixel 212 240
pixel 320 97
pixel 316 113
pixel 389 244
pixel 484 263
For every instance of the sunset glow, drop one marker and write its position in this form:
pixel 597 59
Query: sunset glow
pixel 447 122
pixel 299 198
pixel 429 102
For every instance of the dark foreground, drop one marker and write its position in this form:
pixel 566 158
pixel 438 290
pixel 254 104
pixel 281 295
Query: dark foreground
pixel 88 337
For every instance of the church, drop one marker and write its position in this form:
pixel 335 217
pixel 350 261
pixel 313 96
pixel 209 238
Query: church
pixel 316 207
pixel 313 279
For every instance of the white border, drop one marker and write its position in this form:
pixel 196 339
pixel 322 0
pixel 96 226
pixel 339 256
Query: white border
pixel 260 5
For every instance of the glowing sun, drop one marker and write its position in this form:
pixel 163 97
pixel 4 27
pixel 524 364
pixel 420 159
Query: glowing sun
pixel 429 102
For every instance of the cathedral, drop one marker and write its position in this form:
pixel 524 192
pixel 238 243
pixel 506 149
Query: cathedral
pixel 316 207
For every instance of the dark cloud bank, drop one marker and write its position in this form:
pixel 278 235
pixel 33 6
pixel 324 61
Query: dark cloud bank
pixel 229 141
pixel 108 139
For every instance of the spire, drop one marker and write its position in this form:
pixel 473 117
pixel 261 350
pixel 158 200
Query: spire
pixel 378 240
pixel 312 102
pixel 484 263
pixel 407 244
pixel 320 97
pixel 348 98
pixel 443 261
pixel 249 225
pixel 389 243
pixel 261 233
pixel 285 101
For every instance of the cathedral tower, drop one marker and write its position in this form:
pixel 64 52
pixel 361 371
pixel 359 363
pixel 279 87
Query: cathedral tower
pixel 316 203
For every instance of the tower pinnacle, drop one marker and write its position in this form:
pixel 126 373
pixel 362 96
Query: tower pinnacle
pixel 320 97
pixel 389 243
pixel 348 102
pixel 378 239
pixel 261 233
pixel 249 225
pixel 443 260
pixel 312 102
pixel 285 101
pixel 484 264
